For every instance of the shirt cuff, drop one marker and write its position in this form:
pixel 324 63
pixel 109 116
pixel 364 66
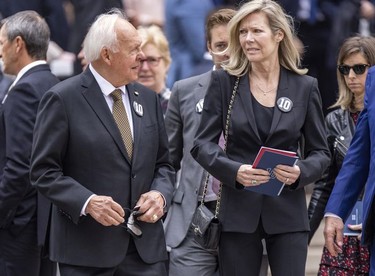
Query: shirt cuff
pixel 165 202
pixel 83 210
pixel 331 215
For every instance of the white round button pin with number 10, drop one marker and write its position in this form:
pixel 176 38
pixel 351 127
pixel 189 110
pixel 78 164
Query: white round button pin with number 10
pixel 284 104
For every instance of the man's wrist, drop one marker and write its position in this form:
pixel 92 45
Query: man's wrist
pixel 160 198
pixel 328 214
pixel 83 210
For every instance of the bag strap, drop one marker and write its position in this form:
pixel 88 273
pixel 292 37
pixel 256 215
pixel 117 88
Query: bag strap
pixel 226 130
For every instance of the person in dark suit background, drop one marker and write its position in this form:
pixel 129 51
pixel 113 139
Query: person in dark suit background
pixel 266 62
pixel 85 12
pixel 186 256
pixel 96 167
pixel 5 82
pixel 51 10
pixel 24 41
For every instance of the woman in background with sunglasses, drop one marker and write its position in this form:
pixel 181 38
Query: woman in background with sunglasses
pixel 356 55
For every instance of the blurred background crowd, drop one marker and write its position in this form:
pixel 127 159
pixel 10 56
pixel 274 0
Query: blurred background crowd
pixel 321 26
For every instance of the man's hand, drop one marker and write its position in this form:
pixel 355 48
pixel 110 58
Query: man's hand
pixel 105 210
pixel 333 235
pixel 151 206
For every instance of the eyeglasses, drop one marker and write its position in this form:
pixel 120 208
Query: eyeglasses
pixel 358 69
pixel 151 61
pixel 131 225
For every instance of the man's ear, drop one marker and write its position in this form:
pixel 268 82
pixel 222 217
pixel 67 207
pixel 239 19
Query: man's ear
pixel 106 55
pixel 209 47
pixel 20 44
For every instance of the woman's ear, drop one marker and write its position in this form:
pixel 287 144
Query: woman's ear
pixel 279 36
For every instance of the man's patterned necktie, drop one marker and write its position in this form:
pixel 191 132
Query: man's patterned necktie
pixel 121 118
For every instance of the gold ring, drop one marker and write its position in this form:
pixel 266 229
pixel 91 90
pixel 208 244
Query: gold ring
pixel 154 217
pixel 254 182
pixel 286 180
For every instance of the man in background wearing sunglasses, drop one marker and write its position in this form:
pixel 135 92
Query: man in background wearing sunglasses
pixel 357 171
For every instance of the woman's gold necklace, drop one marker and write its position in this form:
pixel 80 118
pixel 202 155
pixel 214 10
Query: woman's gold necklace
pixel 263 91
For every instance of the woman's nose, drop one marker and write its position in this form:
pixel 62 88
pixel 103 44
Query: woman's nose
pixel 249 36
pixel 144 65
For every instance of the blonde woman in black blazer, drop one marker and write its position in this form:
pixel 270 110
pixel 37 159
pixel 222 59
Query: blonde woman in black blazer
pixel 263 56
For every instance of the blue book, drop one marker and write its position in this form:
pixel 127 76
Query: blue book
pixel 355 217
pixel 267 159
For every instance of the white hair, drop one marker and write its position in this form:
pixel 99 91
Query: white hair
pixel 102 33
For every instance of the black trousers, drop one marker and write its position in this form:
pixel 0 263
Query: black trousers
pixel 241 253
pixel 19 253
pixel 132 265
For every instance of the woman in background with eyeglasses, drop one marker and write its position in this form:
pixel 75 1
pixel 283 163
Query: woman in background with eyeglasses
pixel 356 55
pixel 154 67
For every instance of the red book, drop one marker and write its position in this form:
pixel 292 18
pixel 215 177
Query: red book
pixel 267 159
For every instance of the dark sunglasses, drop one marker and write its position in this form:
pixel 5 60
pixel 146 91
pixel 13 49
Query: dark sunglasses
pixel 131 224
pixel 358 69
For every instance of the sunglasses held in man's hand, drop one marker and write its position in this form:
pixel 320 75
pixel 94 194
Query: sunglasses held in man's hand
pixel 131 224
pixel 358 69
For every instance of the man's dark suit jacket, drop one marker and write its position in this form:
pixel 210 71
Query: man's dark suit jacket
pixel 78 151
pixel 18 199
pixel 5 82
pixel 242 210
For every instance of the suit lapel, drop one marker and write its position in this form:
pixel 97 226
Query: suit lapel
pixel 95 99
pixel 135 98
pixel 200 89
pixel 200 92
pixel 282 91
pixel 244 96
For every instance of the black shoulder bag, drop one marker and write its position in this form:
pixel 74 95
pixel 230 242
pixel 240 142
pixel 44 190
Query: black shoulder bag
pixel 205 224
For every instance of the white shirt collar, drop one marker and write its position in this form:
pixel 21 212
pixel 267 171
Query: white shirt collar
pixel 105 86
pixel 25 69
pixel 21 73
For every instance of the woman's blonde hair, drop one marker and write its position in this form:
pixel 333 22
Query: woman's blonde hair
pixel 352 45
pixel 154 35
pixel 289 56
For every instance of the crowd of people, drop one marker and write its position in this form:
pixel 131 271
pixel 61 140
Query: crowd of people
pixel 101 172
